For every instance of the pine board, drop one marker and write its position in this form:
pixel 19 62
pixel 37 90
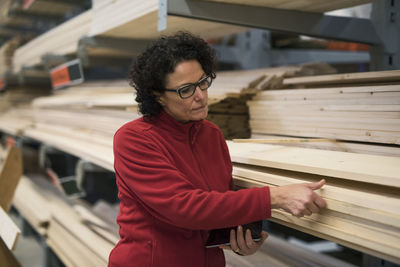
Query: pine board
pixel 7 257
pixel 98 154
pixel 61 40
pixel 352 217
pixel 362 77
pixel 36 211
pixel 356 167
pixel 9 231
pixel 364 135
pixel 352 147
pixel 10 174
pixel 70 249
pixel 138 20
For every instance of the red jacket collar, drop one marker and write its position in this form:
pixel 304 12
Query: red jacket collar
pixel 176 128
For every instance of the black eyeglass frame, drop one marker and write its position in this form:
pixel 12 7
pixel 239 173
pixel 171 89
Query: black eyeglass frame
pixel 196 84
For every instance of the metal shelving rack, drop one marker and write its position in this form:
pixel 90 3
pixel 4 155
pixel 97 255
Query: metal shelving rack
pixel 382 31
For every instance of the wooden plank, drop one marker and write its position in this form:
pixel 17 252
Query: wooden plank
pixel 344 146
pixel 10 174
pixel 361 77
pixel 30 201
pixel 341 197
pixel 70 249
pixel 365 135
pixel 392 125
pixel 342 228
pixel 61 40
pixel 348 219
pixel 345 101
pixel 294 254
pixel 280 141
pixel 333 107
pixel 339 233
pixel 9 231
pixel 355 167
pixel 7 257
pixel 138 20
pixel 98 154
pixel 276 112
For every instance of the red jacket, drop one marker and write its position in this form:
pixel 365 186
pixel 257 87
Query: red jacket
pixel 173 182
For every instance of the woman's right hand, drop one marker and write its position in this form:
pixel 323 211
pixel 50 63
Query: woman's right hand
pixel 298 199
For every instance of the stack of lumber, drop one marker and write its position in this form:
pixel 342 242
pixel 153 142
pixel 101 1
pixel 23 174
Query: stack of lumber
pixel 361 191
pixel 68 227
pixel 115 94
pixel 138 20
pixel 280 253
pixel 342 111
pixel 19 96
pixel 231 90
pixel 84 237
pixel 6 54
pixel 14 121
pixel 311 6
pixel 61 40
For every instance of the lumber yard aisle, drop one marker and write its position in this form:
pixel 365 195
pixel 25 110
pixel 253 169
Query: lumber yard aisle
pixel 304 90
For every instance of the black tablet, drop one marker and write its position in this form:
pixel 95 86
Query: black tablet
pixel 222 236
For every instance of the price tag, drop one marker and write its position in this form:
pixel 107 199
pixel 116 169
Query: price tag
pixel 67 74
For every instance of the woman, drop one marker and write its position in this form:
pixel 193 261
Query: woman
pixel 173 168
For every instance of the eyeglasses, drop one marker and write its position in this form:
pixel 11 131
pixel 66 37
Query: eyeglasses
pixel 188 90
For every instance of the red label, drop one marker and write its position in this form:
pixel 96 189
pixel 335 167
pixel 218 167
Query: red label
pixel 27 3
pixel 60 77
pixel 1 85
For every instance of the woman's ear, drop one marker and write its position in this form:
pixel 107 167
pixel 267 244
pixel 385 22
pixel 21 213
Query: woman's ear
pixel 159 98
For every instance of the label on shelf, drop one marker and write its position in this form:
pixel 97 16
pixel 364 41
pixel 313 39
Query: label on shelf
pixel 69 73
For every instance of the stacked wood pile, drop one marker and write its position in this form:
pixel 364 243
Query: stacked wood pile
pixel 344 107
pixel 84 237
pixel 361 191
pixel 6 55
pixel 232 89
pixel 314 6
pixel 363 206
pixel 68 234
pixel 19 96
pixel 138 20
pixel 61 40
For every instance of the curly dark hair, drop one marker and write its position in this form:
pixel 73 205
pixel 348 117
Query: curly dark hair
pixel 149 70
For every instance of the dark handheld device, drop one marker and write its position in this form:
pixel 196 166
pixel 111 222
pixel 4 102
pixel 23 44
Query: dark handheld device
pixel 222 236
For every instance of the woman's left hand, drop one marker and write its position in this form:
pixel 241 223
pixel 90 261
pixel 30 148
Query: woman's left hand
pixel 241 246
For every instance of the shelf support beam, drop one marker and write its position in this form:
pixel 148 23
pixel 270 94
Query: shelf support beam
pixel 290 21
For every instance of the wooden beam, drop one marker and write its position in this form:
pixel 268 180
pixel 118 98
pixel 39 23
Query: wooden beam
pixel 281 141
pixel 361 77
pixel 10 174
pixel 356 167
pixel 9 231
pixel 7 257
